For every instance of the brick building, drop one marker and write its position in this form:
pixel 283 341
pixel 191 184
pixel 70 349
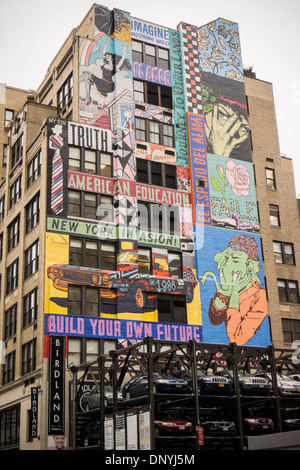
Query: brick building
pixel 143 194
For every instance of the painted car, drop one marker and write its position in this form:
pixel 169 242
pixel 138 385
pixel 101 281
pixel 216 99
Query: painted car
pixel 172 426
pixel 162 383
pixel 128 282
pixel 91 400
pixel 208 383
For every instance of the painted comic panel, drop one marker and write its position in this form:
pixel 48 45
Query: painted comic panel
pixel 122 294
pixel 220 50
pixel 233 295
pixel 232 194
pixel 226 117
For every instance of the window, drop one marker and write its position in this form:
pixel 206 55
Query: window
pixel 91 206
pixel 91 301
pixel 10 327
pixel 15 191
pixel 274 215
pixel 10 427
pixel 151 55
pixel 32 259
pixel 5 154
pixel 284 253
pixel 9 115
pixel 2 207
pixel 65 93
pixel 291 330
pixel 90 161
pixel 17 151
pixel 144 261
pixel 270 178
pixel 29 357
pixel 12 275
pixel 158 218
pixel 30 307
pixel 32 213
pixel 1 246
pixel 87 350
pixel 154 132
pixel 152 93
pixel 171 308
pixel 288 291
pixel 92 254
pixel 155 173
pixel 9 367
pixel 13 233
pixel 34 169
pixel 175 264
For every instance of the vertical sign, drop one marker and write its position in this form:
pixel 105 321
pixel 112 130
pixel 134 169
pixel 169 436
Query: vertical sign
pixel 33 427
pixel 56 385
pixel 199 169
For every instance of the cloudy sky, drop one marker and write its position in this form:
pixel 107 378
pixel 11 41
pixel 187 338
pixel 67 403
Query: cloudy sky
pixel 32 31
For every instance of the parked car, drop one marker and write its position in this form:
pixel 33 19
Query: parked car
pixel 91 400
pixel 251 384
pixel 165 426
pixel 208 383
pixel 287 386
pixel 216 422
pixel 256 423
pixel 90 434
pixel 290 419
pixel 162 383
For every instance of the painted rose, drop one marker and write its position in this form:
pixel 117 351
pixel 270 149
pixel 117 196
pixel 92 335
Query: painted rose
pixel 238 177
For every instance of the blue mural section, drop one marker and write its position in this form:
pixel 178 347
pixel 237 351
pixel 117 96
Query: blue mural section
pixel 233 295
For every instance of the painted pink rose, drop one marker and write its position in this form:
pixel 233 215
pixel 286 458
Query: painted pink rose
pixel 238 177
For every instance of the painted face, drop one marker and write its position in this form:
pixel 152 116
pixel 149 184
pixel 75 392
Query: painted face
pixel 225 112
pixel 232 266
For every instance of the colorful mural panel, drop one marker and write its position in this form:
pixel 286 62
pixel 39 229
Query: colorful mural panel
pixel 226 117
pixel 220 50
pixel 178 100
pixel 199 170
pixel 232 194
pixel 150 33
pixel 191 68
pixel 233 295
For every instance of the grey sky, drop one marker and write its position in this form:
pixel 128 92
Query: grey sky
pixel 32 31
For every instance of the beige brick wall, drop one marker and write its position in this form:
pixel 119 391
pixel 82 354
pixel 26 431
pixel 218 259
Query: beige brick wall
pixel 263 125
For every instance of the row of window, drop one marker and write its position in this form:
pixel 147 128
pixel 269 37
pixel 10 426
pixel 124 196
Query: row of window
pixel 32 218
pixel 15 190
pixel 31 267
pixel 102 255
pixel 30 311
pixel 160 218
pixel 28 362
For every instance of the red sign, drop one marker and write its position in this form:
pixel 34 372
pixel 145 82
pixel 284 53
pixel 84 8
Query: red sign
pixel 200 435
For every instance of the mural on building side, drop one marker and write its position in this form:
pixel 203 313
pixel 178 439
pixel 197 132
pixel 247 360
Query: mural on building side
pixel 233 296
pixel 220 50
pixel 226 117
pixel 232 194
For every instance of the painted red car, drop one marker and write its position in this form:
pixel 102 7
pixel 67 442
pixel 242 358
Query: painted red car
pixel 128 282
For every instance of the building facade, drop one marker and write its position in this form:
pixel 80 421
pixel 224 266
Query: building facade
pixel 129 210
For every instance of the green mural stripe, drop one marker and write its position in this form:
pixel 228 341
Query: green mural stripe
pixel 180 131
pixel 103 231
